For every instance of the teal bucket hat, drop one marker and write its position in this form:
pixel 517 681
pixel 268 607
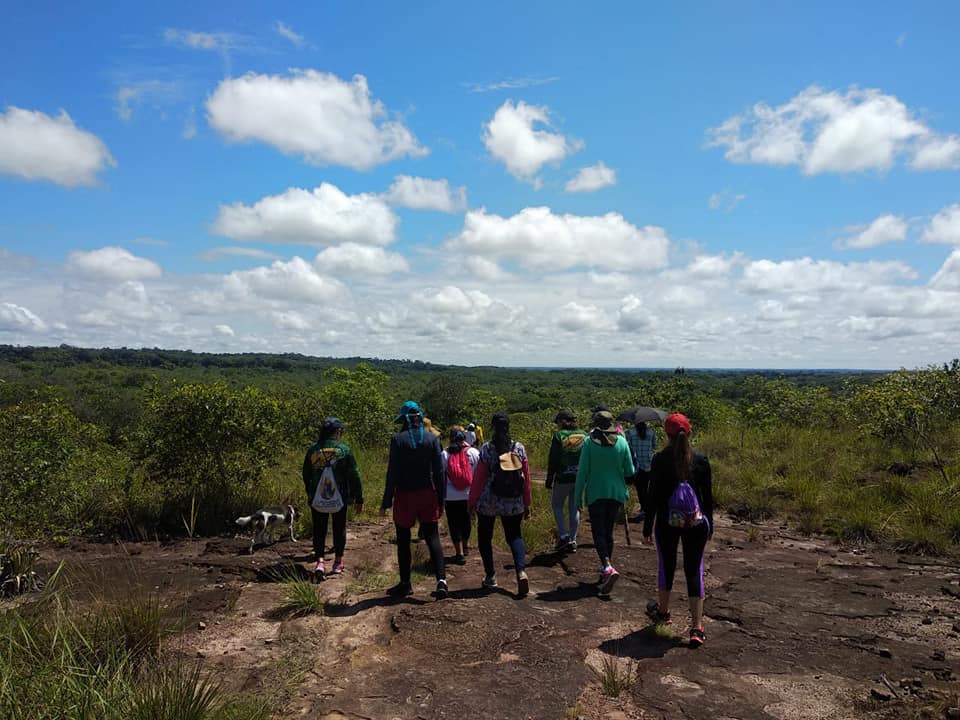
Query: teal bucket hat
pixel 410 407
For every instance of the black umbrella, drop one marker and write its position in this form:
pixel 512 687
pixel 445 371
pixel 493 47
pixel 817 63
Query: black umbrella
pixel 642 414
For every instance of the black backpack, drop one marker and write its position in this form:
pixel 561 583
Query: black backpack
pixel 507 479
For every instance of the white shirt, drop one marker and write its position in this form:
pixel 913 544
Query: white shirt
pixel 454 493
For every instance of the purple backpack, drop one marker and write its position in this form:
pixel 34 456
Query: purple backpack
pixel 683 508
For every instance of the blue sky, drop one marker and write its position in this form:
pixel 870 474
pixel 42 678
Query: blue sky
pixel 741 185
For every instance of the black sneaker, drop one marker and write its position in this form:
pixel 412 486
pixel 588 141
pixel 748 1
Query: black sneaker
pixel 459 560
pixel 653 612
pixel 561 545
pixel 442 590
pixel 401 589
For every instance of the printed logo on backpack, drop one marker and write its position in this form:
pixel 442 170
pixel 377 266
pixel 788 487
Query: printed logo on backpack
pixel 571 442
pixel 683 508
pixel 327 497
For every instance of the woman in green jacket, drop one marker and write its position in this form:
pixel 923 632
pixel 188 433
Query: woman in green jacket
pixel 331 452
pixel 605 465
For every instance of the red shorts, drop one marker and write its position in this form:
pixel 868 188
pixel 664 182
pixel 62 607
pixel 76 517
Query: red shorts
pixel 415 505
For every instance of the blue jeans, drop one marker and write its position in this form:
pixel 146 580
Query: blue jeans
pixel 563 493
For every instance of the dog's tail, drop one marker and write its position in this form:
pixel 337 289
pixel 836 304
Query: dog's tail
pixel 244 521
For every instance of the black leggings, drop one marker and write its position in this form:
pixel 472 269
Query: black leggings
pixel 431 535
pixel 694 541
pixel 458 521
pixel 320 522
pixel 511 531
pixel 603 518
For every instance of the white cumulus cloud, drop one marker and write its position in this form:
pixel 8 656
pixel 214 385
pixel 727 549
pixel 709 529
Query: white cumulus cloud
pixel 318 116
pixel 807 275
pixel 592 178
pixel 714 266
pixel 112 263
pixel 223 330
pixel 35 146
pixel 512 138
pixel 293 281
pixel 885 229
pixel 482 268
pixel 359 260
pixel 324 216
pixel 938 152
pixel 826 132
pixel 537 238
pixel 948 276
pixel 17 318
pixel 944 227
pixel 425 194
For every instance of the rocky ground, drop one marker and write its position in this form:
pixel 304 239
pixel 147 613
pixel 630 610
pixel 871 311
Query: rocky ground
pixel 797 629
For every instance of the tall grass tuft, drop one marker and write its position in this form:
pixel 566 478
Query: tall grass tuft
pixel 61 663
pixel 616 675
pixel 301 598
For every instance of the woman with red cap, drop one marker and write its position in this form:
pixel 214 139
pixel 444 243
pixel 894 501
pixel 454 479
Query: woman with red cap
pixel 680 510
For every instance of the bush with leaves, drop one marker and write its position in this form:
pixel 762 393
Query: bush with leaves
pixel 57 473
pixel 205 447
pixel 357 397
pixel 914 406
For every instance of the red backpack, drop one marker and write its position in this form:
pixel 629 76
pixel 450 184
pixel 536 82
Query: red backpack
pixel 459 469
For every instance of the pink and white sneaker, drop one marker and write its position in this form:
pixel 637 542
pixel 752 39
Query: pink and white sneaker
pixel 608 578
pixel 320 571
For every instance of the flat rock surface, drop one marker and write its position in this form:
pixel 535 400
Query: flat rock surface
pixel 797 629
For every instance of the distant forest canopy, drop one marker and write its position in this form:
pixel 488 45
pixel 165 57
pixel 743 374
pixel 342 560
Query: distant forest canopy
pixel 523 389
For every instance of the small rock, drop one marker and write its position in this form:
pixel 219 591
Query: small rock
pixel 956 627
pixel 243 649
pixel 938 655
pixel 953 713
pixel 201 626
pixel 917 682
pixel 200 654
pixel 926 621
pixel 268 641
pixel 884 653
pixel 880 695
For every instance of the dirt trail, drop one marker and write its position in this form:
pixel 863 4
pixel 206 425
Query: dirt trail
pixel 796 628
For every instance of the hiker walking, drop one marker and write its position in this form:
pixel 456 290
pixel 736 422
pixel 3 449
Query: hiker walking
pixel 605 465
pixel 332 481
pixel 680 510
pixel 562 463
pixel 643 443
pixel 459 463
pixel 415 489
pixel 501 488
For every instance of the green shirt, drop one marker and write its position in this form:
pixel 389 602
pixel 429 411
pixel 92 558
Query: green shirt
pixel 603 471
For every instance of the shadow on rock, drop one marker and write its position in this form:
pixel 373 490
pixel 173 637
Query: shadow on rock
pixel 640 644
pixel 566 593
pixel 338 609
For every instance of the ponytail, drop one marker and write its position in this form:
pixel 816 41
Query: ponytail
pixel 682 455
pixel 501 433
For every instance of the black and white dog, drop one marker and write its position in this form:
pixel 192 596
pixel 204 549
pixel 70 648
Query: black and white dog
pixel 266 519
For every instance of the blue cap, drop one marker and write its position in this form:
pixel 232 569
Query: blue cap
pixel 332 423
pixel 410 407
